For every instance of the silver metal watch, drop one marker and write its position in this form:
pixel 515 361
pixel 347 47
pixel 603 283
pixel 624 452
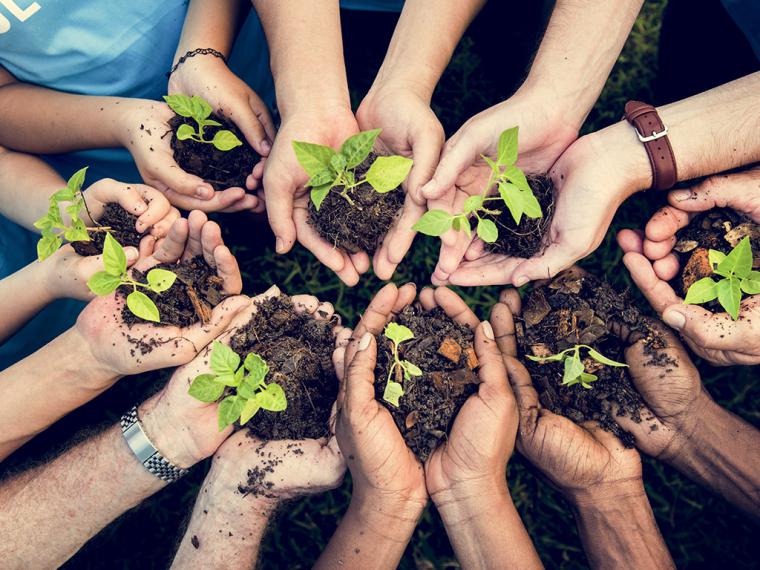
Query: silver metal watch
pixel 145 451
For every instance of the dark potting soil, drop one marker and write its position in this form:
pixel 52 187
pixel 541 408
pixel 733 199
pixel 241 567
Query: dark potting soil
pixel 526 239
pixel 444 350
pixel 298 350
pixel 363 225
pixel 197 290
pixel 221 169
pixel 576 308
pixel 120 224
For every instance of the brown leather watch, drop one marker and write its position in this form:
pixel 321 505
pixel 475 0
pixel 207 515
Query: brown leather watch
pixel 654 135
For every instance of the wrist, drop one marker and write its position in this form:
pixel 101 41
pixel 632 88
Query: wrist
pixel 688 438
pixel 607 495
pixel 461 503
pixel 75 350
pixel 296 98
pixel 390 516
pixel 42 279
pixel 420 81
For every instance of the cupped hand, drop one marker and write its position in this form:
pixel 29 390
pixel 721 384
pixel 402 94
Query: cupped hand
pixel 287 199
pixel 409 129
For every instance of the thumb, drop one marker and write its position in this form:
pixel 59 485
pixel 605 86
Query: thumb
pixel 164 172
pixel 360 374
pixel 426 153
pixel 722 191
pixel 458 155
pixel 279 199
pixel 717 331
pixel 555 258
pixel 249 124
pixel 201 335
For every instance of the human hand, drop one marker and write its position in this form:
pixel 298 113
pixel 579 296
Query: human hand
pixel 410 129
pixel 286 197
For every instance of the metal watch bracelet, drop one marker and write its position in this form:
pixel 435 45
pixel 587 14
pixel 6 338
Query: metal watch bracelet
pixel 145 451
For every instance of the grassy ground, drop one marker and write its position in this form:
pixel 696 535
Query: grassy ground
pixel 701 530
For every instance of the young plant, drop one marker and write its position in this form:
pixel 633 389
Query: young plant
pixel 199 110
pixel 329 169
pixel 738 276
pixel 51 224
pixel 575 371
pixel 251 392
pixel 397 334
pixel 115 275
pixel 514 192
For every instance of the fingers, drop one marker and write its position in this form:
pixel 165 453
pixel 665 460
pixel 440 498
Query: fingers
pixel 556 257
pixel 360 261
pixel 667 268
pixel 504 329
pixel 305 303
pixel 161 228
pixel 360 374
pixel 166 172
pixel 492 373
pixel 458 154
pixel 526 395
pixel 511 298
pixel 227 268
pixel 631 241
pixel 398 241
pixel 453 305
pixel 641 357
pixel 169 249
pixel 659 294
pixel 721 191
pixel 279 195
pixel 665 223
pixel 194 245
pixel 426 152
pixel 246 113
pixel 492 269
pixel 223 200
pixel 200 335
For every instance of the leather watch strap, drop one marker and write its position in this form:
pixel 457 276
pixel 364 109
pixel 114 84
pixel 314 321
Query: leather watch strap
pixel 654 135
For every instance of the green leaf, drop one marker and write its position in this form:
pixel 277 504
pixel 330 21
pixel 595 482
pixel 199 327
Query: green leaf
pixel 44 223
pixel 231 380
pixel 411 369
pixel 357 148
pixel 76 181
pixel 487 230
pixel 54 213
pixel 573 368
pixel 517 177
pixel 388 172
pixel 229 411
pixel 114 258
pixel 226 140
pixel 715 257
pixel 531 207
pixel 730 296
pixel 250 409
pixel 338 162
pixel 398 333
pixel 159 280
pixel 508 147
pixel 201 108
pixel 180 104
pixel 393 391
pixel 434 223
pixel 513 199
pixel 464 225
pixel 103 283
pixel 599 357
pixel 473 203
pixel 272 398
pixel 47 246
pixel 210 123
pixel 142 306
pixel 701 291
pixel 318 195
pixel 257 367
pixel 585 379
pixel 552 358
pixel 738 262
pixel 495 168
pixel 751 285
pixel 64 195
pixel 185 132
pixel 326 177
pixel 76 233
pixel 313 158
pixel 206 389
pixel 224 360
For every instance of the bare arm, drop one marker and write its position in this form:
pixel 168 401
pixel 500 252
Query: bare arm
pixel 209 24
pixel 26 183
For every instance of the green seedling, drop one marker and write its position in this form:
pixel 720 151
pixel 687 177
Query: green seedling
pixel 251 392
pixel 199 110
pixel 397 334
pixel 575 371
pixel 116 275
pixel 513 191
pixel 738 276
pixel 329 169
pixel 54 231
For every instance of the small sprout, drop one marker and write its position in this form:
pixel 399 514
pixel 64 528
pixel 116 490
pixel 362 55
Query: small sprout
pixel 575 372
pixel 115 275
pixel 513 190
pixel 252 393
pixel 738 277
pixel 51 224
pixel 397 334
pixel 328 169
pixel 199 110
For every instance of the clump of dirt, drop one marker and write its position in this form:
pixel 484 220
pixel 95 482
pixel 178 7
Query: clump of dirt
pixel 444 351
pixel 116 221
pixel 197 290
pixel 526 239
pixel 360 226
pixel 577 308
pixel 221 169
pixel 298 349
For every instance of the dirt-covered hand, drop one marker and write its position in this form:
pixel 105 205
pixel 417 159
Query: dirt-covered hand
pixel 287 199
pixel 716 337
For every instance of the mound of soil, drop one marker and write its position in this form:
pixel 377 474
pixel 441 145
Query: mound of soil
pixel 576 308
pixel 221 169
pixel 197 290
pixel 363 225
pixel 298 350
pixel 444 350
pixel 720 229
pixel 526 239
pixel 120 224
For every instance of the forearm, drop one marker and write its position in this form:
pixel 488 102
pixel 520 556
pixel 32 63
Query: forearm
pixel 209 24
pixel 44 387
pixel 722 454
pixel 89 486
pixel 306 47
pixel 580 46
pixel 485 529
pixel 22 295
pixel 373 534
pixel 619 531
pixel 426 35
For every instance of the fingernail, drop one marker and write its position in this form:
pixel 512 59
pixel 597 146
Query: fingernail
pixel 428 188
pixel 674 319
pixel 266 146
pixel 131 253
pixel 140 226
pixel 364 342
pixel 204 193
pixel 681 195
pixel 279 245
pixel 488 330
pixel 521 280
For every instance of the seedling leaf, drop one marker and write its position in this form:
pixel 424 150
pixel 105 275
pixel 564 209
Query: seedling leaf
pixel 473 203
pixel 751 285
pixel 272 398
pixel 388 172
pixel 487 230
pixel 573 368
pixel 393 391
pixel 434 223
pixel 159 280
pixel 508 147
pixel 517 177
pixel 229 410
pixel 730 295
pixel 226 140
pixel 738 262
pixel 250 409
pixel 313 158
pixel 398 333
pixel 206 388
pixel 257 367
pixel 599 357
pixel 114 258
pixel 224 360
pixel 185 132
pixel 411 369
pixel 701 291
pixel 715 257
pixel 103 283
pixel 357 148
pixel 142 306
pixel 76 181
pixel 318 195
